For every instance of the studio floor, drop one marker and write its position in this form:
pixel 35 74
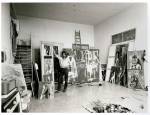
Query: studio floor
pixel 79 96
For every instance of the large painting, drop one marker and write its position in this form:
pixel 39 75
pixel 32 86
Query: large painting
pixel 117 65
pixel 135 60
pixel 48 61
pixel 88 66
pixel 136 79
pixel 47 66
pixel 95 63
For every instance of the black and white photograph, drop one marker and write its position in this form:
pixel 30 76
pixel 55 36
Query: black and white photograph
pixel 74 57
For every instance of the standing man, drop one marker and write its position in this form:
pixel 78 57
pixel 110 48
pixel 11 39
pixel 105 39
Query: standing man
pixel 64 64
pixel 57 68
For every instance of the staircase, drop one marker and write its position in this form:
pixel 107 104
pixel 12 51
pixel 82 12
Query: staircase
pixel 23 57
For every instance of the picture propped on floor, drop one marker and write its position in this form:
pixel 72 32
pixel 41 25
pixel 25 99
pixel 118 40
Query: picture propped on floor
pixel 136 79
pixel 118 73
pixel 47 83
pixel 135 67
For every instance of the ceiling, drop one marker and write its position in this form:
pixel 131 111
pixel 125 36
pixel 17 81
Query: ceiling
pixel 84 13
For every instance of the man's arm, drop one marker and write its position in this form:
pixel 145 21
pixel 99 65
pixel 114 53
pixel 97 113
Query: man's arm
pixel 57 55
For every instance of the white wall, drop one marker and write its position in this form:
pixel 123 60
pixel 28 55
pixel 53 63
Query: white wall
pixel 5 32
pixel 133 17
pixel 54 31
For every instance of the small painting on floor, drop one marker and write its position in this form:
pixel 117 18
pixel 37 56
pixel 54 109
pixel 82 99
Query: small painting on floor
pixel 136 79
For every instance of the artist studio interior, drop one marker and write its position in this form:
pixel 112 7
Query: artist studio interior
pixel 74 57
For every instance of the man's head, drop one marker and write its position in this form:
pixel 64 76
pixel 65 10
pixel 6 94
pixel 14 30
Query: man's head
pixel 64 54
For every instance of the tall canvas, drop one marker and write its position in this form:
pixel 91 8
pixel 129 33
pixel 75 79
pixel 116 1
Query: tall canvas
pixel 95 62
pixel 135 67
pixel 47 66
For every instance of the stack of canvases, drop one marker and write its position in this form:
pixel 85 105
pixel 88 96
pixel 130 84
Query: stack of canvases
pixel 135 68
pixel 123 71
pixel 118 73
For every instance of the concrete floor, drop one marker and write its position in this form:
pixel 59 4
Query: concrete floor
pixel 73 100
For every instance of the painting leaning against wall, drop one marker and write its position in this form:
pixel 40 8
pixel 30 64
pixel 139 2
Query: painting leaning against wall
pixel 134 60
pixel 136 79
